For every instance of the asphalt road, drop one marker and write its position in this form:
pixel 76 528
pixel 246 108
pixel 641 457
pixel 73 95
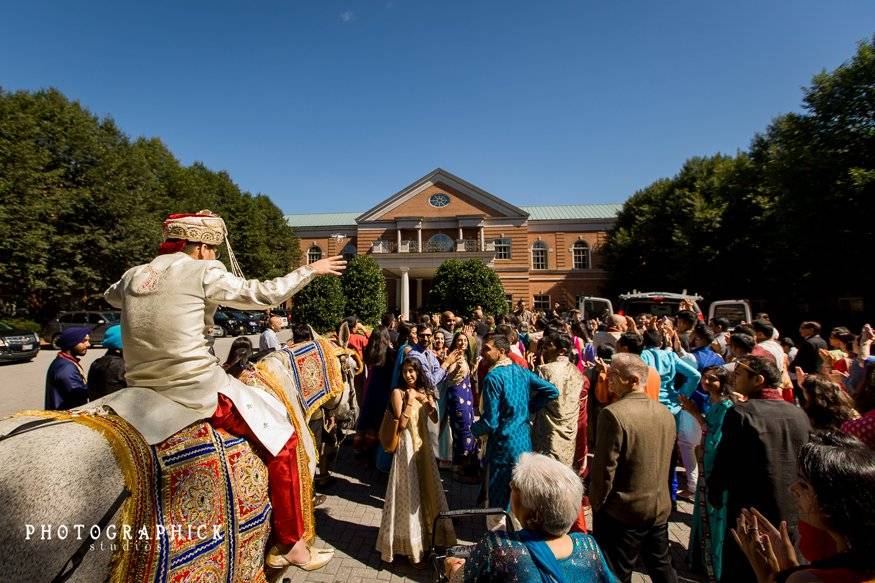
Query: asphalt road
pixel 23 385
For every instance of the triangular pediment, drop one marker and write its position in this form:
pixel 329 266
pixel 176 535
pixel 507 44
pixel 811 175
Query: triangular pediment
pixel 463 199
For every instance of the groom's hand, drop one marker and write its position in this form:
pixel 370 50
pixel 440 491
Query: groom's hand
pixel 329 266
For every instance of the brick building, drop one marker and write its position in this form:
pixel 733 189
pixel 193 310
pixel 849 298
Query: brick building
pixel 543 254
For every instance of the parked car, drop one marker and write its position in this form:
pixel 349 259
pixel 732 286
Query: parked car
pixel 249 324
pixel 17 344
pixel 593 307
pixel 229 323
pixel 657 303
pixel 97 320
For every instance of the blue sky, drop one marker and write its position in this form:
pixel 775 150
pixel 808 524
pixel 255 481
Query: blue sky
pixel 332 105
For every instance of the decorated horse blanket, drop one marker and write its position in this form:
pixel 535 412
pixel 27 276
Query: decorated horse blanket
pixel 197 508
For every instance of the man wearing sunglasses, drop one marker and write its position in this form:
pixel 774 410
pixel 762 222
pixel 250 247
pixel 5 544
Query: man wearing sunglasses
pixel 755 462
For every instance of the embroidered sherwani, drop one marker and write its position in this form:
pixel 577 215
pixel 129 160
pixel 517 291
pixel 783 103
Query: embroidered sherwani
pixel 174 380
pixel 554 430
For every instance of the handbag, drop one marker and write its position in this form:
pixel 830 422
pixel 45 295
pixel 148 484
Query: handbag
pixel 389 434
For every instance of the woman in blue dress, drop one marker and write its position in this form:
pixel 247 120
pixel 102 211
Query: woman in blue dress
pixel 709 523
pixel 545 497
pixel 460 409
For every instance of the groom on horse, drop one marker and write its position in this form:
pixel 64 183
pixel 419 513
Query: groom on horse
pixel 167 305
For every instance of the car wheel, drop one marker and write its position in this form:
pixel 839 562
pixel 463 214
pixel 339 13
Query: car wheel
pixel 55 338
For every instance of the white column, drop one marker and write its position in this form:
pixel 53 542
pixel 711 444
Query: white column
pixel 418 293
pixel 482 239
pixel 405 293
pixel 397 294
pixel 399 241
pixel 419 238
pixel 460 232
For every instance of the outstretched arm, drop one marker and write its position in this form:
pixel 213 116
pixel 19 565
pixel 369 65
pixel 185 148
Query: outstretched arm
pixel 225 288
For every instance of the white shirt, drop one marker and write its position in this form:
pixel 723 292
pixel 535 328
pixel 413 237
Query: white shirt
pixel 268 340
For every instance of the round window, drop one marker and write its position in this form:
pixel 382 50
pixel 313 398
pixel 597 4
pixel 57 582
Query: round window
pixel 439 200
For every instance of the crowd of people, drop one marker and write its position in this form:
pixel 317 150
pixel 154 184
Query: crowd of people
pixel 555 415
pixel 757 422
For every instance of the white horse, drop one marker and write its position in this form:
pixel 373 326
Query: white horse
pixel 61 487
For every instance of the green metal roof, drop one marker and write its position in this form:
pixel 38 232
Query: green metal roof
pixel 570 212
pixel 561 212
pixel 321 219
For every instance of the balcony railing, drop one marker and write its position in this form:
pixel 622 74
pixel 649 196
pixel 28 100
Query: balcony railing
pixel 461 246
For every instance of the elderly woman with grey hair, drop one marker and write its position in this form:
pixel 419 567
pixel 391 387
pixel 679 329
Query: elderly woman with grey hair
pixel 545 498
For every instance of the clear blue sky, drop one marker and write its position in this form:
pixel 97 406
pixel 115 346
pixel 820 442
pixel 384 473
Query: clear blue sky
pixel 331 105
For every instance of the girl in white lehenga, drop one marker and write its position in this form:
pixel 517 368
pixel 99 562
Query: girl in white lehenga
pixel 415 494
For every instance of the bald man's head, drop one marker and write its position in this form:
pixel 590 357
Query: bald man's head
pixel 617 323
pixel 275 323
pixel 631 370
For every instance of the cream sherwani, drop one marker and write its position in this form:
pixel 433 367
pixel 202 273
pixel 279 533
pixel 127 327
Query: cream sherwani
pixel 174 380
pixel 554 430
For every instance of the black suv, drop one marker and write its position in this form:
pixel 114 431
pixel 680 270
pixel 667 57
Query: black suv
pixel 250 323
pixel 17 344
pixel 230 324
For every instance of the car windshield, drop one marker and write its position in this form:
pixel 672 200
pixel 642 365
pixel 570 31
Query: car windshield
pixel 733 312
pixel 112 317
pixel 4 327
pixel 220 316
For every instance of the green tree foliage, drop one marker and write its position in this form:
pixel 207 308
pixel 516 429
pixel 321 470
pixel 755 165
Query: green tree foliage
pixel 365 289
pixel 789 219
pixel 320 304
pixel 80 203
pixel 461 285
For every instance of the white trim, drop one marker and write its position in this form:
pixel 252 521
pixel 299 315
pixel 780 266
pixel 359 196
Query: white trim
pixel 503 208
pixel 581 226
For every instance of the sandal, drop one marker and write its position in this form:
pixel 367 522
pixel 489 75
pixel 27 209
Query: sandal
pixel 318 559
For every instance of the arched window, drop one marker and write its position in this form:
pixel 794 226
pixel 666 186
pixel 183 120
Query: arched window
pixel 314 254
pixel 539 255
pixel 349 251
pixel 440 243
pixel 580 255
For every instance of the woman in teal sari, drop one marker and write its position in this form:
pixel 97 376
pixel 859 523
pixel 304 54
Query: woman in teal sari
pixel 545 498
pixel 709 523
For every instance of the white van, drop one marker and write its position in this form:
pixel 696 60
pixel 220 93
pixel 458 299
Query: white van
pixel 736 311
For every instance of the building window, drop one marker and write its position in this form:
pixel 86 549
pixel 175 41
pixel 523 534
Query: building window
pixel 509 298
pixel 349 251
pixel 539 255
pixel 440 243
pixel 541 302
pixel 502 248
pixel 314 254
pixel 580 255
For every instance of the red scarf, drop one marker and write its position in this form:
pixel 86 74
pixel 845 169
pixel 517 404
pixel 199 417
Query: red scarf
pixel 769 395
pixel 74 360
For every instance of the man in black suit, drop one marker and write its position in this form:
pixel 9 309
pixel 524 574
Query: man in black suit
pixel 756 459
pixel 808 358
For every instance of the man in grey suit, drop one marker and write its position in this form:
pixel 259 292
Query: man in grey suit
pixel 628 490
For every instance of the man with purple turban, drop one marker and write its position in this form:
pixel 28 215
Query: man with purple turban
pixel 65 380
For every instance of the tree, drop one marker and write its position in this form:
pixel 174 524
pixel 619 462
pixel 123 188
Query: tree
pixel 461 285
pixel 80 203
pixel 320 304
pixel 364 288
pixel 786 220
